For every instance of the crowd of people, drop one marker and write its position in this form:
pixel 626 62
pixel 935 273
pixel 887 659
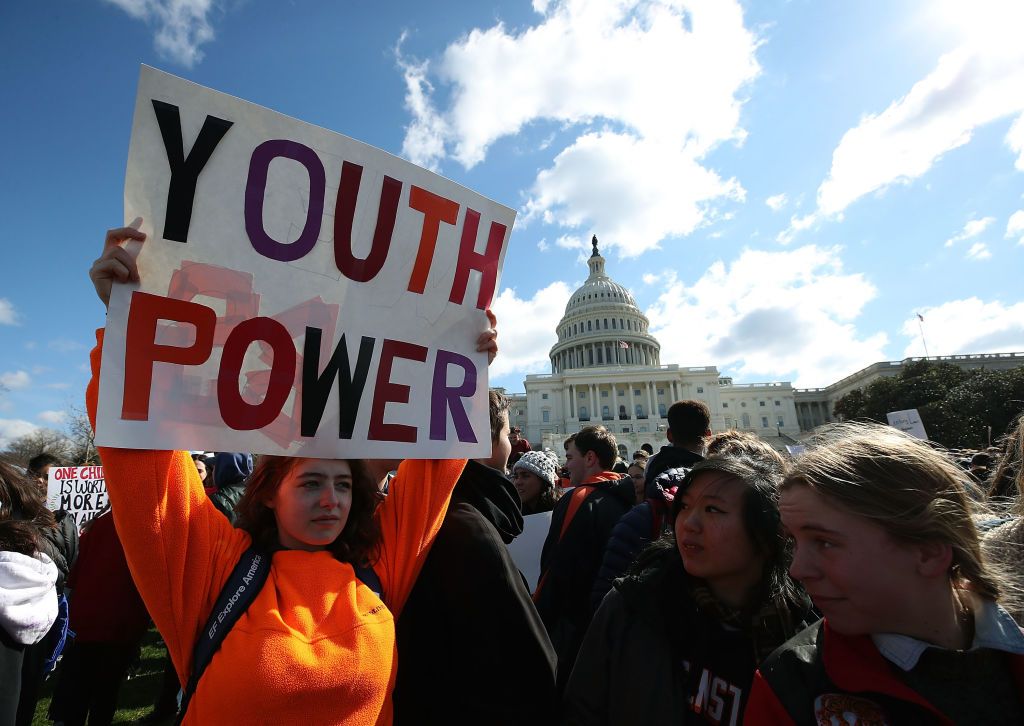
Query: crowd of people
pixel 874 578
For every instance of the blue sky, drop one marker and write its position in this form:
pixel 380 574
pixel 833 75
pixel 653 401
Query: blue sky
pixel 783 185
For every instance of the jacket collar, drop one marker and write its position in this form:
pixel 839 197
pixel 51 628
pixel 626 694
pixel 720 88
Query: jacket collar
pixel 854 664
pixel 994 628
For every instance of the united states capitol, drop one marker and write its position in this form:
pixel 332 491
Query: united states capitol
pixel 606 369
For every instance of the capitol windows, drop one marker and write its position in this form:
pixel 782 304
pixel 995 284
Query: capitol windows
pixel 620 392
pixel 613 323
pixel 778 403
pixel 725 405
pixel 636 391
pixel 743 405
pixel 764 422
pixel 606 323
pixel 780 421
pixel 640 411
pixel 762 404
pixel 604 394
pixel 606 413
pixel 589 328
pixel 661 391
pixel 700 389
pixel 545 416
pixel 583 394
pixel 544 396
pixel 583 414
pixel 746 421
pixel 661 410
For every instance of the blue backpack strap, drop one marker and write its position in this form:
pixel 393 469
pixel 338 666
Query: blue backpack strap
pixel 244 583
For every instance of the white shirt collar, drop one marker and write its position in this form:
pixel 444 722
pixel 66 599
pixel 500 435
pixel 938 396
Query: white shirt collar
pixel 994 628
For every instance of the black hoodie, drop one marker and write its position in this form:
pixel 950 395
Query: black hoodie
pixel 471 646
pixel 570 563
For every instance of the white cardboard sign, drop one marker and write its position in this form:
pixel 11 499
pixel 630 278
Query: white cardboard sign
pixel 909 422
pixel 302 293
pixel 79 490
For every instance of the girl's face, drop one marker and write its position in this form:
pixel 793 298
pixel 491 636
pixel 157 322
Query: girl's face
pixel 712 538
pixel 528 484
pixel 312 503
pixel 861 579
pixel 201 468
pixel 637 475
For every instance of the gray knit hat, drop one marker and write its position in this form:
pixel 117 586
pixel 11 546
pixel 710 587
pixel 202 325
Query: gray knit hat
pixel 541 463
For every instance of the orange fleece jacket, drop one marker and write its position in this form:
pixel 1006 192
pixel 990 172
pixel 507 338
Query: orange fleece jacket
pixel 316 646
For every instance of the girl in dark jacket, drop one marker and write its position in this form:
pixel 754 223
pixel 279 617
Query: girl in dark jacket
pixel 914 631
pixel 679 638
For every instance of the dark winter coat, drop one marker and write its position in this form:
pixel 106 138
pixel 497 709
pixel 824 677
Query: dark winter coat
pixel 569 564
pixel 230 472
pixel 61 545
pixel 652 656
pixel 472 648
pixel 670 457
pixel 638 527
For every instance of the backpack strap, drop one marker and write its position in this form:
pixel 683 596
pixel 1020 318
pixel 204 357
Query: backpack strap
pixel 578 495
pixel 241 588
pixel 244 583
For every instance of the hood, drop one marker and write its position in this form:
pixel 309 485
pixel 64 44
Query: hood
pixel 663 487
pixel 621 488
pixel 489 492
pixel 670 457
pixel 28 596
pixel 231 469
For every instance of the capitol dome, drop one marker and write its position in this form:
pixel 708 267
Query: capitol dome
pixel 603 326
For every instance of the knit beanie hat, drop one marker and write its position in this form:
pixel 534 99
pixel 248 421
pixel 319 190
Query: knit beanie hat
pixel 541 463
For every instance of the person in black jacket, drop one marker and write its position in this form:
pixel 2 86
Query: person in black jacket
pixel 580 525
pixel 230 472
pixel 472 648
pixel 678 639
pixel 689 428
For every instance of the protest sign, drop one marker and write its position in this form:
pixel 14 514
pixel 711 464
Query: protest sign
pixel 79 490
pixel 302 293
pixel 525 549
pixel 908 421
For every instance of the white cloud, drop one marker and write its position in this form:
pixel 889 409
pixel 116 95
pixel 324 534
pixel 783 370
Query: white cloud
pixel 15 380
pixel 1015 226
pixel 7 314
pixel 789 312
pixel 56 418
pixel 796 225
pixel 651 86
pixel 967 326
pixel 1015 140
pixel 543 245
pixel 526 329
pixel 973 85
pixel 181 25
pixel 971 229
pixel 58 386
pixel 14 428
pixel 636 193
pixel 978 251
pixel 776 202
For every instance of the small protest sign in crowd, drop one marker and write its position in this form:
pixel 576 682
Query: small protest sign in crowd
pixel 370 543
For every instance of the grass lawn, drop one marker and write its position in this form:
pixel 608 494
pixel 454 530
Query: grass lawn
pixel 137 694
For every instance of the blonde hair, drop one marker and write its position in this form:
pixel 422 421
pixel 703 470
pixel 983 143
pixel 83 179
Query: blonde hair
pixel 735 443
pixel 914 492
